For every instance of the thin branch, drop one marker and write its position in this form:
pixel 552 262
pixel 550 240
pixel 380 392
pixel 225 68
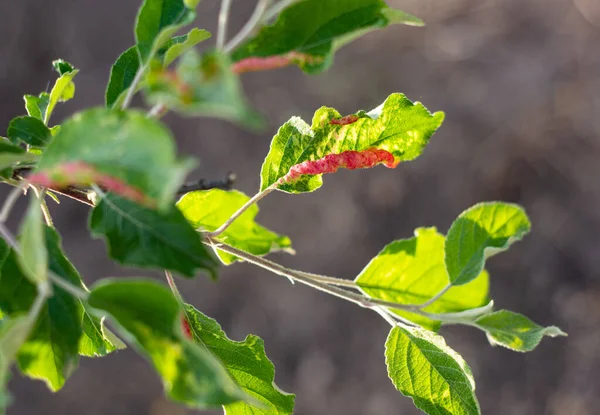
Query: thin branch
pixel 67 286
pixel 173 286
pixel 277 8
pixel 132 89
pixel 43 293
pixel 223 19
pixel 8 237
pixel 435 297
pixel 157 111
pixel 339 282
pixel 225 183
pixel 251 24
pixel 240 211
pixel 40 194
pixel 9 203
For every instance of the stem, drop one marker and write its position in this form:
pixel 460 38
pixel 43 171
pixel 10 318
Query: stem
pixel 435 297
pixel 223 19
pixel 43 293
pixel 249 27
pixel 8 237
pixel 240 211
pixel 70 288
pixel 131 91
pixel 156 111
pixel 40 194
pixel 9 203
pixel 277 8
pixel 339 282
pixel 173 286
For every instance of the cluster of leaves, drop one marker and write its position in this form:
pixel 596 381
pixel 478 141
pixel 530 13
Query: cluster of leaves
pixel 124 164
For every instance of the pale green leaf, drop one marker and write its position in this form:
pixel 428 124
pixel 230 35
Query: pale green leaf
pixel 125 152
pixel 178 45
pixel 246 362
pixel 36 106
pixel 424 368
pixel 480 232
pixel 149 316
pixel 412 271
pixel 147 238
pixel 33 258
pixel 202 86
pixel 209 209
pixel 309 31
pixel 514 331
pixel 63 90
pixel 398 127
pixel 122 75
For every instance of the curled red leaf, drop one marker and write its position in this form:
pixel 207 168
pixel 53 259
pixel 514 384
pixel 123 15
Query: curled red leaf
pixel 348 119
pixel 348 159
pixel 258 63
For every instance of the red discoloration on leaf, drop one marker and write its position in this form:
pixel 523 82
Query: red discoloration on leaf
pixel 348 159
pixel 78 173
pixel 257 63
pixel 348 119
pixel 185 328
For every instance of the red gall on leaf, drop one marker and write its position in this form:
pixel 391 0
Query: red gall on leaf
pixel 257 63
pixel 185 328
pixel 78 173
pixel 348 159
pixel 348 119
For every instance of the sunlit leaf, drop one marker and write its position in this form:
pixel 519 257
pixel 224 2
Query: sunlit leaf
pixel 178 45
pixel 209 209
pixel 36 106
pixel 398 130
pixel 63 90
pixel 480 232
pixel 122 74
pixel 33 258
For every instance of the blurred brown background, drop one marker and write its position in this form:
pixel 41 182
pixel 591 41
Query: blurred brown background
pixel 520 83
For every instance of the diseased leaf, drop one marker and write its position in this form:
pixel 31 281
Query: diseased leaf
pixel 157 22
pixel 310 31
pixel 33 259
pixel 424 368
pixel 125 152
pixel 398 130
pixel 202 86
pixel 149 316
pixel 515 331
pixel 122 75
pixel 412 271
pixel 29 130
pixel 36 106
pixel 62 91
pixel 178 45
pixel 480 232
pixel 146 238
pixel 246 362
pixel 209 209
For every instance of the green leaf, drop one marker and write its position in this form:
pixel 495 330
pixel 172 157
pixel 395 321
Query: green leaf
pixel 147 238
pixel 178 45
pixel 202 86
pixel 29 130
pixel 149 316
pixel 11 154
pixel 157 22
pixel 398 130
pixel 480 232
pixel 424 368
pixel 514 331
pixel 62 91
pixel 309 32
pixel 125 152
pixel 34 255
pixel 122 74
pixel 36 106
pixel 209 209
pixel 62 67
pixel 412 271
pixel 50 352
pixel 246 363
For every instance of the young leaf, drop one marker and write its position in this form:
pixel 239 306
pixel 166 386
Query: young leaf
pixel 178 45
pixel 29 130
pixel 122 74
pixel 149 316
pixel 34 256
pixel 62 91
pixel 246 362
pixel 11 154
pixel 209 209
pixel 62 67
pixel 310 31
pixel 157 22
pixel 202 86
pixel 142 237
pixel 50 352
pixel 515 331
pixel 398 130
pixel 412 271
pixel 424 368
pixel 125 152
pixel 36 106
pixel 480 232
